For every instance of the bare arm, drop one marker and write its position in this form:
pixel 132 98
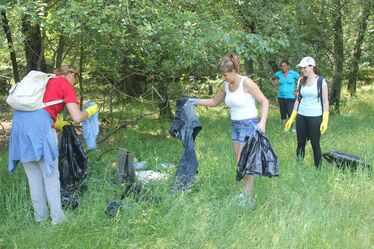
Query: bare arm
pixel 325 98
pixel 251 87
pixel 274 81
pixel 296 104
pixel 216 100
pixel 76 114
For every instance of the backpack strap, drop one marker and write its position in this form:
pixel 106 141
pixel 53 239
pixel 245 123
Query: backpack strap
pixel 319 91
pixel 54 102
pixel 299 96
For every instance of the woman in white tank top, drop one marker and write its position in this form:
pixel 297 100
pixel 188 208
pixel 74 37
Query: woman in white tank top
pixel 240 93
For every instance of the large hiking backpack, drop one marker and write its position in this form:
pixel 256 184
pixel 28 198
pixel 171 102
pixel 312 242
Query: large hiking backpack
pixel 27 95
pixel 319 90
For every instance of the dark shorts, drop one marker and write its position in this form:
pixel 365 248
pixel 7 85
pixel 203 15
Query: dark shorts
pixel 286 107
pixel 242 128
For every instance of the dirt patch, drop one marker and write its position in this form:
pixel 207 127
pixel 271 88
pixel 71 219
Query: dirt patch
pixel 5 127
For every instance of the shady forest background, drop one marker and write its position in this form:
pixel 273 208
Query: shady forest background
pixel 158 50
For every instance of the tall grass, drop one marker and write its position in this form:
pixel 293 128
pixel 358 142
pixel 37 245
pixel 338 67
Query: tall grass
pixel 303 208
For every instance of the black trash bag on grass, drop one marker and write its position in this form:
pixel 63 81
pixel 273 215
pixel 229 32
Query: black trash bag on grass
pixel 72 164
pixel 126 177
pixel 345 161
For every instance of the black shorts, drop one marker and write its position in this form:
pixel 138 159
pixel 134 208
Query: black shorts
pixel 285 107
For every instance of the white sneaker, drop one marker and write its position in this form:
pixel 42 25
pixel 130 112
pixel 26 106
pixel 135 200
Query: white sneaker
pixel 251 203
pixel 246 202
pixel 41 220
pixel 59 221
pixel 242 200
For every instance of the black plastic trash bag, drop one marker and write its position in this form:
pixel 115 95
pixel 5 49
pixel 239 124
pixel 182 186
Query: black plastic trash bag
pixel 114 206
pixel 126 177
pixel 72 164
pixel 125 167
pixel 126 174
pixel 345 161
pixel 71 195
pixel 257 158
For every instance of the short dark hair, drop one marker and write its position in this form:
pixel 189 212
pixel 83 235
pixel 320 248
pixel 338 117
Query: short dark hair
pixel 284 61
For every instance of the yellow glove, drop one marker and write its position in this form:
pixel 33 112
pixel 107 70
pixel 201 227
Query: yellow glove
pixel 59 124
pixel 325 121
pixel 91 110
pixel 290 121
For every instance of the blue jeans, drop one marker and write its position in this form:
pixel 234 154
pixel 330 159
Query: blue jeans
pixel 185 126
pixel 242 128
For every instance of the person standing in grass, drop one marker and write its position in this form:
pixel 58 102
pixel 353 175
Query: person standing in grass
pixel 240 94
pixel 33 142
pixel 285 80
pixel 311 110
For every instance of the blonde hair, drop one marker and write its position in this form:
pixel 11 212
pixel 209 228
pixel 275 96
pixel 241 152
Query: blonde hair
pixel 66 70
pixel 229 63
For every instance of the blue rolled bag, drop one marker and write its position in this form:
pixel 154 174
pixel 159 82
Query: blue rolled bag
pixel 90 128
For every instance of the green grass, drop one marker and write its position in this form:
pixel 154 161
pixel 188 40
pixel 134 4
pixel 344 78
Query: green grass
pixel 303 208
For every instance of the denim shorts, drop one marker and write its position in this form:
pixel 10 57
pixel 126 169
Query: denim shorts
pixel 242 128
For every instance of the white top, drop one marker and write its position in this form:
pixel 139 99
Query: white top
pixel 242 105
pixel 310 104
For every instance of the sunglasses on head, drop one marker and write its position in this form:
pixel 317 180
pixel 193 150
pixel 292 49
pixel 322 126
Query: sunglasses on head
pixel 76 75
pixel 306 66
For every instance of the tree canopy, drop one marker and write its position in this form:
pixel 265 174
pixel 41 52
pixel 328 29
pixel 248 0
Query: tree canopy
pixel 144 43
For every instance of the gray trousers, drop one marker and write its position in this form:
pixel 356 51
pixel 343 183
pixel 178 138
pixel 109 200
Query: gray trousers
pixel 44 188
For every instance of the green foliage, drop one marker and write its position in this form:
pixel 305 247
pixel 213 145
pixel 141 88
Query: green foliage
pixel 174 40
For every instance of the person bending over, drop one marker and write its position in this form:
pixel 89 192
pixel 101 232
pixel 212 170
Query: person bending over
pixel 33 142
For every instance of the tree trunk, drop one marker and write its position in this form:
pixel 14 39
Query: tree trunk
pixel 274 66
pixel 251 29
pixel 248 65
pixel 60 50
pixel 33 45
pixel 338 57
pixel 81 60
pixel 352 77
pixel 163 104
pixel 8 35
pixel 111 96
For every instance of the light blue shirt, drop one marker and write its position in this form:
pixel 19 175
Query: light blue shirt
pixel 286 86
pixel 31 138
pixel 310 104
